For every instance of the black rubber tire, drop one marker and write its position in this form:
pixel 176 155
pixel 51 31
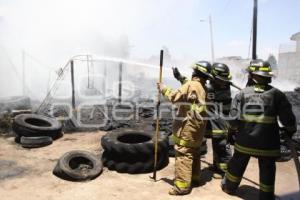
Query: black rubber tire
pixel 171 147
pixel 133 152
pixel 32 125
pixel 17 139
pixel 35 142
pixel 69 166
pixel 137 167
pixel 132 143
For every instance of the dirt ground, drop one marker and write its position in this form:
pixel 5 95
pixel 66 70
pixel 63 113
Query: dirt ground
pixel 27 174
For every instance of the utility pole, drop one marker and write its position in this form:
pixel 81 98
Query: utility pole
pixel 104 80
pixel 211 37
pixel 88 70
pixel 211 40
pixel 254 40
pixel 73 84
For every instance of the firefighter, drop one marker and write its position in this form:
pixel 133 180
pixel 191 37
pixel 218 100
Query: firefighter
pixel 219 96
pixel 219 111
pixel 182 79
pixel 188 128
pixel 255 111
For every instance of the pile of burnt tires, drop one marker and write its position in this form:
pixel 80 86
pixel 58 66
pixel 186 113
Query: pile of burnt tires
pixel 33 131
pixel 133 152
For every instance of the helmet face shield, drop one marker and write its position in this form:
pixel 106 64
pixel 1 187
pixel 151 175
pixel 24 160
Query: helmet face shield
pixel 264 74
pixel 260 68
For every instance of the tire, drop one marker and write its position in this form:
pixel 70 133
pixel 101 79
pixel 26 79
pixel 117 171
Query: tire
pixel 35 142
pixel 171 147
pixel 18 139
pixel 32 125
pixel 137 167
pixel 78 166
pixel 133 152
pixel 132 143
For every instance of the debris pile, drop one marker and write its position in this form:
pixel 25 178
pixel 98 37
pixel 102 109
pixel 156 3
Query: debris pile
pixel 15 103
pixel 9 108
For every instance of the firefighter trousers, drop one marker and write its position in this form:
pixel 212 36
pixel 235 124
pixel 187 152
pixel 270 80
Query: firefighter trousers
pixel 267 171
pixel 221 153
pixel 187 167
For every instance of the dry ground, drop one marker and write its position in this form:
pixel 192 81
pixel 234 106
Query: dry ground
pixel 27 174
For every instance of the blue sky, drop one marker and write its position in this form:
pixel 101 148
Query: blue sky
pixel 37 25
pixel 179 26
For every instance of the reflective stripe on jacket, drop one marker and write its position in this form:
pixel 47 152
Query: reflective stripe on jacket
pixel 188 125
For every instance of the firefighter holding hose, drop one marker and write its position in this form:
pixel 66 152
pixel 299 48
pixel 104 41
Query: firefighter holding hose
pixel 188 128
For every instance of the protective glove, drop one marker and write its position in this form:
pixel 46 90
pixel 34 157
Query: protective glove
pixel 285 132
pixel 178 75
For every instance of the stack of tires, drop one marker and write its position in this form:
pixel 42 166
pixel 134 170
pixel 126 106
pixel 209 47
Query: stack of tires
pixel 133 152
pixel 34 130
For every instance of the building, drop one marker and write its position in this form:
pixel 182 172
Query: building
pixel 289 60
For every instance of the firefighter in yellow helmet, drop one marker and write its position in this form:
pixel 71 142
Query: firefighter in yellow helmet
pixel 188 128
pixel 255 111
